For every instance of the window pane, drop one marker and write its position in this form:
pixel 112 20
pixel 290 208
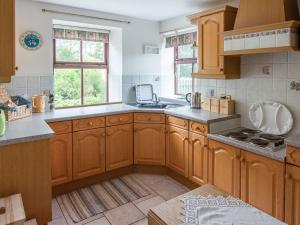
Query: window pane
pixel 67 87
pixel 67 50
pixel 184 78
pixel 185 51
pixel 93 51
pixel 94 86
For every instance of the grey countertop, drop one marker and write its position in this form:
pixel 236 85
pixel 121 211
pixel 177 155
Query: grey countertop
pixel 293 141
pixel 35 127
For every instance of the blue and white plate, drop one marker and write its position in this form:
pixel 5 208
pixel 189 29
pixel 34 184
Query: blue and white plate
pixel 31 40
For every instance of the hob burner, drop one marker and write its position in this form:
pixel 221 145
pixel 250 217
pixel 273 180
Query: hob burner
pixel 238 135
pixel 259 142
pixel 271 137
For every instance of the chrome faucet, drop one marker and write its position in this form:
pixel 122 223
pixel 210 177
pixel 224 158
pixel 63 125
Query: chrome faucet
pixel 156 99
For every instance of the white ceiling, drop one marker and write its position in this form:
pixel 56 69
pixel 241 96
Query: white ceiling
pixel 156 10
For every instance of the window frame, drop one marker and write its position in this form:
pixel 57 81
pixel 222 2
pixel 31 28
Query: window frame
pixel 177 61
pixel 83 65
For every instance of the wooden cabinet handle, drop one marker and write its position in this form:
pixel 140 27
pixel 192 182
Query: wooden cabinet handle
pixel 242 159
pixel 288 177
pixel 17 68
pixel 91 123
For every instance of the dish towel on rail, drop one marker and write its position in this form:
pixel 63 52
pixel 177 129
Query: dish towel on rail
pixel 211 210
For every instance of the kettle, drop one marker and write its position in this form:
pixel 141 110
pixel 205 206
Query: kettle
pixel 194 99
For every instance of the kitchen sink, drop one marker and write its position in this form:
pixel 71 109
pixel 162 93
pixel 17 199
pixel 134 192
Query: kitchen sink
pixel 155 106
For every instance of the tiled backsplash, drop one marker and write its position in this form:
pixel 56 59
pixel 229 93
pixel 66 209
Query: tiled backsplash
pixel 29 85
pixel 255 86
pixel 129 82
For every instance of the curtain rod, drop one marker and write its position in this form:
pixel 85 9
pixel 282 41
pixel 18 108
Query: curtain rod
pixel 90 17
pixel 181 29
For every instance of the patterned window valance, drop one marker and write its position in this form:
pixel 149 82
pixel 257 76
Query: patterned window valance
pixel 182 39
pixel 60 33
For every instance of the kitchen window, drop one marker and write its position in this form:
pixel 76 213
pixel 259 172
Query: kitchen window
pixel 185 64
pixel 80 67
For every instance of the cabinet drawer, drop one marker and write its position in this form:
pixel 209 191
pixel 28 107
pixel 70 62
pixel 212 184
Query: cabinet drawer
pixel 293 155
pixel 119 119
pixel 61 127
pixel 89 123
pixel 182 123
pixel 149 118
pixel 198 128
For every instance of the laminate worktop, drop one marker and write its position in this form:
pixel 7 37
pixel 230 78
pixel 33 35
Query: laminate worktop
pixel 35 127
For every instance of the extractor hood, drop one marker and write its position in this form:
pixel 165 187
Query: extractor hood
pixel 264 26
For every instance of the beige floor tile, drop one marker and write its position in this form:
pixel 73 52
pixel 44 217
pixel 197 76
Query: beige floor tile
pixel 152 202
pixel 58 221
pixel 149 179
pixel 56 211
pixel 141 222
pixel 176 182
pixel 168 189
pixel 102 221
pixel 124 215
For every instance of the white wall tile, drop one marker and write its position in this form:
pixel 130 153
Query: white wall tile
pixel 294 70
pixel 294 57
pixel 280 70
pixel 281 57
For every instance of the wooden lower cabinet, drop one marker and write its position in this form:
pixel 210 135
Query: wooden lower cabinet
pixel 225 167
pixel 119 146
pixel 292 195
pixel 149 144
pixel 262 183
pixel 61 158
pixel 177 145
pixel 198 158
pixel 88 153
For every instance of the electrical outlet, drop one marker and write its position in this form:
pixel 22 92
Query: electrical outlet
pixel 266 70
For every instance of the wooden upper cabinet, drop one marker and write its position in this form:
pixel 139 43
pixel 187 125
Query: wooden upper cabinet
pixel 262 183
pixel 7 40
pixel 177 146
pixel 149 144
pixel 88 153
pixel 119 146
pixel 210 24
pixel 61 158
pixel 198 158
pixel 225 167
pixel 292 195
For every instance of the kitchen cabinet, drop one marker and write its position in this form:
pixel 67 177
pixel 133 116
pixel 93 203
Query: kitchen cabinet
pixel 292 195
pixel 119 146
pixel 210 24
pixel 177 145
pixel 88 153
pixel 198 158
pixel 7 40
pixel 61 158
pixel 149 144
pixel 225 167
pixel 262 183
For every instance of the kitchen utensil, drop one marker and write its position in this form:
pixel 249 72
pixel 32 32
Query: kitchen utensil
pixel 271 117
pixel 194 99
pixel 39 103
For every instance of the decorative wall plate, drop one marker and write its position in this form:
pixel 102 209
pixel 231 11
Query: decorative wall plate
pixel 271 117
pixel 31 40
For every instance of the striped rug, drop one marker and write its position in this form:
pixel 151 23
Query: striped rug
pixel 88 202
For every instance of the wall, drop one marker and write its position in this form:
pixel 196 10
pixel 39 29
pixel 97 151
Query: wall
pixel 36 68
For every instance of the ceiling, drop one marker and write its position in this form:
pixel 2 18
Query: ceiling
pixel 155 10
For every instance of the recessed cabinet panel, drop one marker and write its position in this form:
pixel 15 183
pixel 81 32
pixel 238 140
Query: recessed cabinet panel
pixel 177 144
pixel 119 146
pixel 89 153
pixel 149 144
pixel 61 158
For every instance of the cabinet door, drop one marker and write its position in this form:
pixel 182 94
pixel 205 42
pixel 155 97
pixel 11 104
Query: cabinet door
pixel 119 146
pixel 89 153
pixel 211 63
pixel 149 144
pixel 7 40
pixel 262 183
pixel 177 144
pixel 292 195
pixel 61 158
pixel 225 167
pixel 198 158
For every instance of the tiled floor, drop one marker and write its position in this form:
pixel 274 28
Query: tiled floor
pixel 134 213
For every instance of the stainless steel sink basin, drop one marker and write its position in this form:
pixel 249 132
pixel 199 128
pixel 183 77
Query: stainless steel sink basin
pixel 155 106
